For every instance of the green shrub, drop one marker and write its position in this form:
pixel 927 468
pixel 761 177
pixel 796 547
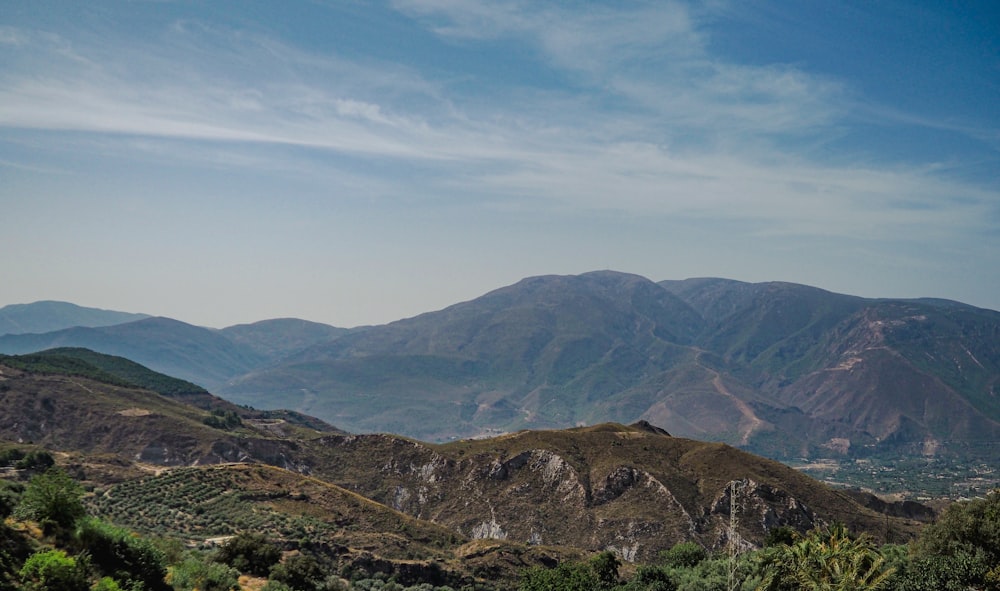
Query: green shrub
pixel 10 457
pixel 223 419
pixel 301 572
pixel 565 577
pixel 36 461
pixel 54 571
pixel 650 578
pixel 780 535
pixel 961 550
pixel 52 499
pixel 10 495
pixel 123 556
pixel 249 553
pixel 683 555
pixel 107 584
pixel 196 573
pixel 605 567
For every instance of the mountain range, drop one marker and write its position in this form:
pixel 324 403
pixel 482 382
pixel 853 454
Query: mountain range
pixel 162 464
pixel 781 369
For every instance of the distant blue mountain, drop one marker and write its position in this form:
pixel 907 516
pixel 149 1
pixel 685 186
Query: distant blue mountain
pixel 49 316
pixel 200 355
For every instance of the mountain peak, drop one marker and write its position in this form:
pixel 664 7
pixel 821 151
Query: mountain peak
pixel 648 427
pixel 51 315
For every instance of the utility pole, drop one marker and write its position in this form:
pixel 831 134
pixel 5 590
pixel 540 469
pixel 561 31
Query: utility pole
pixel 733 538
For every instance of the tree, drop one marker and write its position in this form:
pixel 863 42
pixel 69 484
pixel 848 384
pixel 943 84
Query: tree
pixel 684 554
pixel 249 553
pixel 220 419
pixel 650 578
pixel 779 535
pixel 196 573
pixel 961 550
pixel 826 559
pixel 711 574
pixel 54 571
pixel 605 566
pixel 36 461
pixel 15 548
pixel 965 527
pixel 565 577
pixel 53 499
pixel 10 494
pixel 300 572
pixel 107 584
pixel 125 557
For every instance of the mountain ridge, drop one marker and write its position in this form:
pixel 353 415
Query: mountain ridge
pixel 633 488
pixel 51 315
pixel 779 368
pixel 736 363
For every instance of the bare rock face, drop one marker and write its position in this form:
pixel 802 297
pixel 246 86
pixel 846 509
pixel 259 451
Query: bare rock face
pixel 759 509
pixel 632 490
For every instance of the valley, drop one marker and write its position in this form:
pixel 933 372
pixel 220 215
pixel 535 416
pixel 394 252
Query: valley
pixel 915 479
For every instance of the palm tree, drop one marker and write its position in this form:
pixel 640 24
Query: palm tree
pixel 826 559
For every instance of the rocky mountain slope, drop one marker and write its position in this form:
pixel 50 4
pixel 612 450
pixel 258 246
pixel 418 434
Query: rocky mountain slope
pixel 60 402
pixel 633 488
pixel 922 374
pixel 636 489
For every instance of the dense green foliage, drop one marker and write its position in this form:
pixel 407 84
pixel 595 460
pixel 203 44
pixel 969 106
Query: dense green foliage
pixel 117 371
pixel 825 559
pixel 126 558
pixel 129 371
pixel 195 573
pixel 43 363
pixel 300 572
pixel 249 553
pixel 53 499
pixel 565 577
pixel 36 460
pixel 685 554
pixel 53 570
pixel 10 495
pixel 961 550
pixel 220 419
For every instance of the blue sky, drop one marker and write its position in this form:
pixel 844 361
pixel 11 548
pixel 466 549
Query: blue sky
pixel 357 162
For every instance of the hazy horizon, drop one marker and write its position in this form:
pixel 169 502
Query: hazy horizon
pixel 355 163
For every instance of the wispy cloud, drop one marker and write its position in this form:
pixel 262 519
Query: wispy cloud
pixel 473 143
pixel 653 55
pixel 668 129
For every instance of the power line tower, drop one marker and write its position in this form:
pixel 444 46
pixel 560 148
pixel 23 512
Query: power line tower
pixel 733 536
